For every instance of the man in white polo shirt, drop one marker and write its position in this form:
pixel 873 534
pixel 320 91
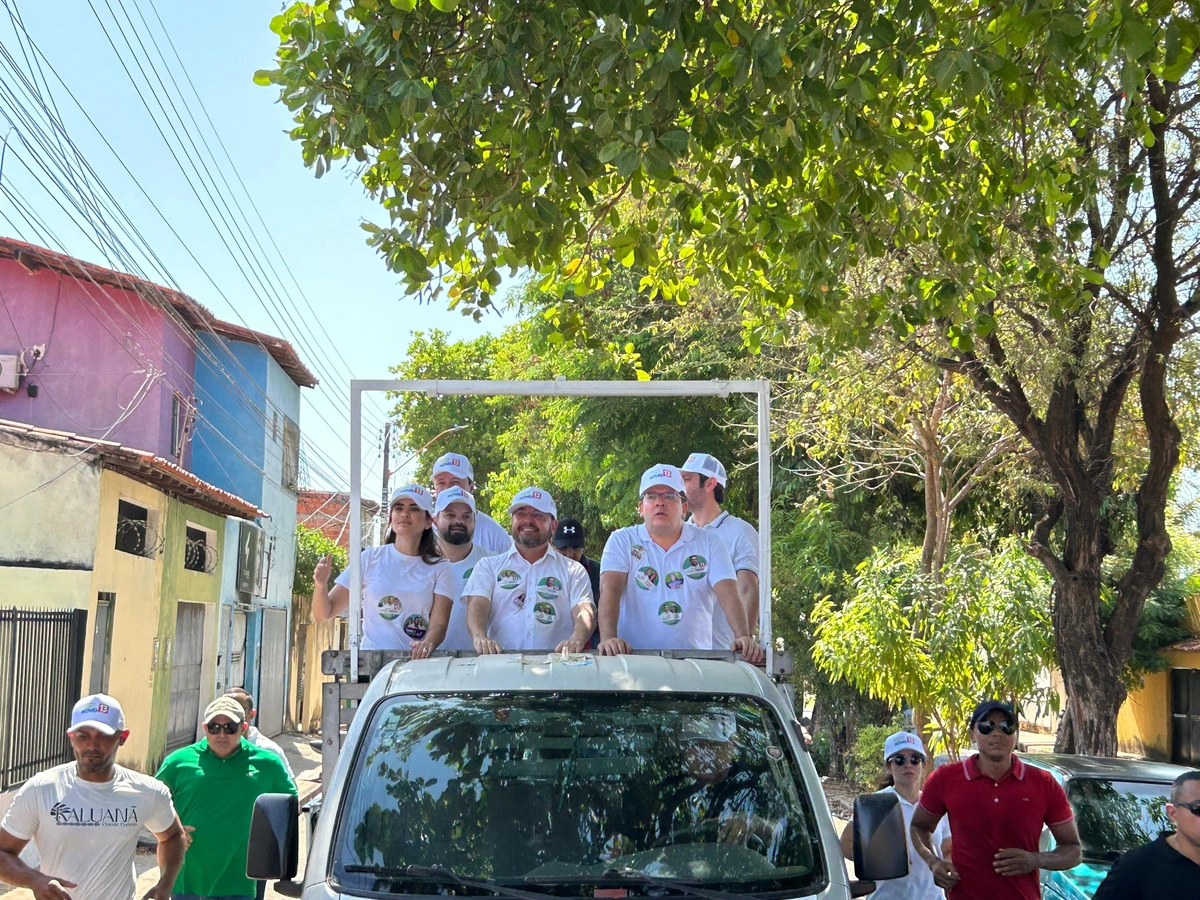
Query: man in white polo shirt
pixel 454 470
pixel 704 482
pixel 454 519
pixel 660 580
pixel 532 597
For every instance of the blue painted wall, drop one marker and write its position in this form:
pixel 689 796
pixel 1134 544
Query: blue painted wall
pixel 229 441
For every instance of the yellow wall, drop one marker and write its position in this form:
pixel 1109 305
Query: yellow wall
pixel 138 657
pixel 1144 723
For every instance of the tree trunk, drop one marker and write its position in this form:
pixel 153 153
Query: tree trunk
pixel 1064 741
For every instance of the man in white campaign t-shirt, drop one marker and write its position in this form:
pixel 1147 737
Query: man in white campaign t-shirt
pixel 660 580
pixel 704 482
pixel 85 818
pixel 454 470
pixel 532 597
pixel 454 518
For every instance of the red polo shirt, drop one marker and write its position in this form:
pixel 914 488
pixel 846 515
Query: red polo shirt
pixel 987 816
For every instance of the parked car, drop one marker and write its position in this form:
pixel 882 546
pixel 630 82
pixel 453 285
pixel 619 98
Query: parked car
pixel 1118 805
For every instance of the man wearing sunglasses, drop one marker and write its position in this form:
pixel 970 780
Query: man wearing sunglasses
pixel 1169 867
pixel 997 807
pixel 214 783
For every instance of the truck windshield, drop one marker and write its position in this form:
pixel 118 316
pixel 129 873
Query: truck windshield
pixel 1115 816
pixel 560 793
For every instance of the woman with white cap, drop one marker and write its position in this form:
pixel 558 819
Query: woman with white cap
pixel 406 584
pixel 904 758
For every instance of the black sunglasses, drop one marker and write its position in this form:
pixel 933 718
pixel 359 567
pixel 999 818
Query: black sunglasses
pixel 1193 807
pixel 914 759
pixel 227 727
pixel 1006 727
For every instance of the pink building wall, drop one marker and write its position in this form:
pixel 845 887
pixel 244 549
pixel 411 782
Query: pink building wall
pixel 102 344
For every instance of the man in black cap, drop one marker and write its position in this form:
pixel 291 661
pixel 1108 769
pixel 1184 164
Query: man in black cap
pixel 998 807
pixel 568 540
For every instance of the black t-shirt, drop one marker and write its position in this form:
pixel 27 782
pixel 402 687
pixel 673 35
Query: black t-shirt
pixel 1156 871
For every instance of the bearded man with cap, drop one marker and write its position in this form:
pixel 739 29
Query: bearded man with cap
pixel 704 481
pixel 406 584
pixel 214 783
pixel 679 573
pixel 454 470
pixel 85 818
pixel 531 597
pixel 997 806
pixel 905 759
pixel 454 517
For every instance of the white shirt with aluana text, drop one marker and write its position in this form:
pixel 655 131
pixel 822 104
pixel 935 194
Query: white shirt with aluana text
pixel 398 594
pixel 490 534
pixel 669 598
pixel 457 635
pixel 918 883
pixel 533 604
pixel 87 832
pixel 741 539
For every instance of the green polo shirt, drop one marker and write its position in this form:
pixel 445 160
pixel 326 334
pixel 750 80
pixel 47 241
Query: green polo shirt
pixel 216 796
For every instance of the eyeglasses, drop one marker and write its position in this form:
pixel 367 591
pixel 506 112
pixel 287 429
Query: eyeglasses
pixel 912 760
pixel 1006 727
pixel 655 496
pixel 227 727
pixel 1193 807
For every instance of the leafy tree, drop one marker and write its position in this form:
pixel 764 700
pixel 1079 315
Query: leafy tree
pixel 1029 167
pixel 311 545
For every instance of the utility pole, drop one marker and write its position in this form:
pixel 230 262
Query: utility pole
pixel 384 512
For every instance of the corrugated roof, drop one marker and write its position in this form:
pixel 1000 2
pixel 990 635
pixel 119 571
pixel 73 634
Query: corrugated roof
pixel 144 466
pixel 1192 644
pixel 32 258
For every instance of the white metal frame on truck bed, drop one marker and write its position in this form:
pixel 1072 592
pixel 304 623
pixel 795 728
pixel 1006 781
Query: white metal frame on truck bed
pixel 564 388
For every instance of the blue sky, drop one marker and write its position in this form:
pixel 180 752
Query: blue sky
pixel 315 223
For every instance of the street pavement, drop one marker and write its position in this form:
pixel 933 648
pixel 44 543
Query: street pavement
pixel 305 762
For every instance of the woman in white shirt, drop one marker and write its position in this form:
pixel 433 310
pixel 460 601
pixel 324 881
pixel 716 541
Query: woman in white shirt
pixel 905 758
pixel 406 584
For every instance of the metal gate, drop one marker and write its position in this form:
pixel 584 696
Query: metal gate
pixel 271 671
pixel 41 670
pixel 1185 717
pixel 183 715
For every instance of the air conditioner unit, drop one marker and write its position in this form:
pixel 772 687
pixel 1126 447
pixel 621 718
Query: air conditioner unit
pixel 10 374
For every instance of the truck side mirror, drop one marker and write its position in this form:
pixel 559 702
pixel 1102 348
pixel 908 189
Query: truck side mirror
pixel 880 848
pixel 274 848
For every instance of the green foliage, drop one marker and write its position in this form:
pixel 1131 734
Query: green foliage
pixel 311 545
pixel 822 753
pixel 903 638
pixel 864 761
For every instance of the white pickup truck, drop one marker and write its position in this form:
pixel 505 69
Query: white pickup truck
pixel 540 775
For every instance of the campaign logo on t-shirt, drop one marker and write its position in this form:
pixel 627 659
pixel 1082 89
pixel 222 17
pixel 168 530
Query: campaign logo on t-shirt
pixel 518 600
pixel 695 566
pixel 545 612
pixel 389 607
pixel 415 626
pixel 637 551
pixel 674 580
pixel 646 578
pixel 549 588
pixel 508 579
pixel 670 613
pixel 467 574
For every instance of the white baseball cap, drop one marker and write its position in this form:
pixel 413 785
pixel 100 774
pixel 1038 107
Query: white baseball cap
pixel 706 465
pixel 98 711
pixel 414 492
pixel 535 497
pixel 452 495
pixel 901 741
pixel 661 474
pixel 454 463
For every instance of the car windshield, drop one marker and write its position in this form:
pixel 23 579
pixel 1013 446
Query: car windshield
pixel 1115 816
pixel 558 793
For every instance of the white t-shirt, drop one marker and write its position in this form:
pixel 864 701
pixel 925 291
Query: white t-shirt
pixel 490 534
pixel 87 832
pixel 741 540
pixel 260 740
pixel 397 596
pixel 533 604
pixel 457 636
pixel 668 600
pixel 918 883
